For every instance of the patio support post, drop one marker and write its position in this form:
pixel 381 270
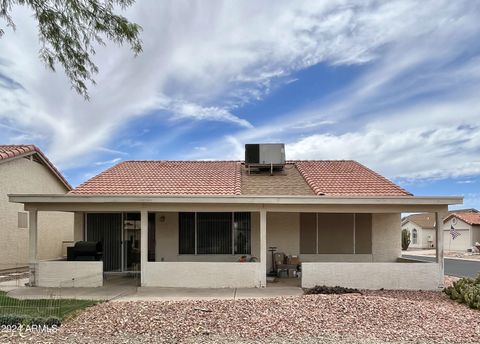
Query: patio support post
pixel 263 248
pixel 143 244
pixel 33 244
pixel 439 247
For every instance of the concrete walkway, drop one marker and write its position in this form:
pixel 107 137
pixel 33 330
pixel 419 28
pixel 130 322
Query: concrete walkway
pixel 131 293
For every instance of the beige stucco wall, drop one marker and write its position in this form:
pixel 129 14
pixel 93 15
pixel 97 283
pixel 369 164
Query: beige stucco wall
pixel 25 176
pixel 423 235
pixel 202 275
pixel 283 232
pixel 386 240
pixel 412 276
pixel 166 237
pixel 65 274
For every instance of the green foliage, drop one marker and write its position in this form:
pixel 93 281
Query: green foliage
pixel 43 308
pixel 405 239
pixel 465 290
pixel 28 320
pixel 68 31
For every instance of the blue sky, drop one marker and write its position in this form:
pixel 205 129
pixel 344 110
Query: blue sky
pixel 393 85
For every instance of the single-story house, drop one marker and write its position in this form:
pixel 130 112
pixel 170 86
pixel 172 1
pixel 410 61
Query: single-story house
pixel 210 224
pixel 422 231
pixel 25 169
pixel 467 225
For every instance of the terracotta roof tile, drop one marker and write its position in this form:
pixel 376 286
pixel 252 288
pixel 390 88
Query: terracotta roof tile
pixel 470 218
pixel 346 178
pixel 15 151
pixel 167 178
pixel 331 178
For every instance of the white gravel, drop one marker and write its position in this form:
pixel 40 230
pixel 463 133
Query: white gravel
pixel 374 317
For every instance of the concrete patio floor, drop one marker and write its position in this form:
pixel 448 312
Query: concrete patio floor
pixel 130 293
pixel 126 289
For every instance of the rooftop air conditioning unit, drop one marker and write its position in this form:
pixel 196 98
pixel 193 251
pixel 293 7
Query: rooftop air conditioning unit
pixel 265 155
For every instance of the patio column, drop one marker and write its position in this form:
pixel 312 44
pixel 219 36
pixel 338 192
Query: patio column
pixel 33 244
pixel 439 247
pixel 263 248
pixel 143 245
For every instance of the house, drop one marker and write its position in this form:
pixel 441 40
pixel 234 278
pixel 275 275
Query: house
pixel 198 223
pixel 25 169
pixel 422 231
pixel 467 224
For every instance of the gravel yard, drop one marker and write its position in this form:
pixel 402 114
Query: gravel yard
pixel 374 317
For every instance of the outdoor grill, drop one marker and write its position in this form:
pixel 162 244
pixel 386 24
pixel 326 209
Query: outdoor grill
pixel 85 250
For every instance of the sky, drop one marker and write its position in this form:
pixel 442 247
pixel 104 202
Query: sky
pixel 394 85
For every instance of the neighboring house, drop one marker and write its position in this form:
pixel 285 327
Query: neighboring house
pixel 25 169
pixel 188 223
pixel 465 224
pixel 422 231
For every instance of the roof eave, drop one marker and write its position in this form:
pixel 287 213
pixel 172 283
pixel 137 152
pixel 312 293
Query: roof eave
pixel 240 199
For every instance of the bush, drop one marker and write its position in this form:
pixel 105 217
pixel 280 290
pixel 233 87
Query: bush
pixel 405 239
pixel 27 320
pixel 465 290
pixel 330 290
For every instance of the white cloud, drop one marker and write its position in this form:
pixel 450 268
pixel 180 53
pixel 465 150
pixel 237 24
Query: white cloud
pixel 203 60
pixel 108 162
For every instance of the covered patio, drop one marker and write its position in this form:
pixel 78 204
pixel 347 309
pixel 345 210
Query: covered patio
pixel 198 241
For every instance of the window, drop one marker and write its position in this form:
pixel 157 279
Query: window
pixel 414 236
pixel 214 233
pixel 22 220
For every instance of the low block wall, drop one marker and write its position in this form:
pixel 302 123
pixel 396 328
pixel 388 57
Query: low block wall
pixel 69 274
pixel 202 275
pixel 419 276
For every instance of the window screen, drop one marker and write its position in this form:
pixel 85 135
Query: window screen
pixel 186 229
pixel 242 233
pixel 214 233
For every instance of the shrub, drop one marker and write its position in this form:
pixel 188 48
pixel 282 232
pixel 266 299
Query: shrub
pixel 27 320
pixel 465 290
pixel 405 239
pixel 330 290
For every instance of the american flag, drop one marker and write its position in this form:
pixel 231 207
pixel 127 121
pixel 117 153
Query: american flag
pixel 454 233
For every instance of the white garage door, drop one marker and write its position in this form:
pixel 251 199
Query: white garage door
pixel 460 243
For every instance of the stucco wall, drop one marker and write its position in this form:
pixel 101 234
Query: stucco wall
pixel 25 176
pixel 412 276
pixel 166 237
pixel 386 239
pixel 283 232
pixel 423 235
pixel 202 275
pixel 69 274
pixel 460 243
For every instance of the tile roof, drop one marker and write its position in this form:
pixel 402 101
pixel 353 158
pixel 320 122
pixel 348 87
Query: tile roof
pixel 286 182
pixel 8 152
pixel 427 220
pixel 167 178
pixel 470 218
pixel 346 178
pixel 331 178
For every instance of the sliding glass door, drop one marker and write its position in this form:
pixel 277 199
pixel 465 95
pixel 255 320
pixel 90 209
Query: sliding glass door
pixel 119 234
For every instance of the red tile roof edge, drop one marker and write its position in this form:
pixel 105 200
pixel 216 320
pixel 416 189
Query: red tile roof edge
pixel 464 218
pixel 18 150
pixel 319 192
